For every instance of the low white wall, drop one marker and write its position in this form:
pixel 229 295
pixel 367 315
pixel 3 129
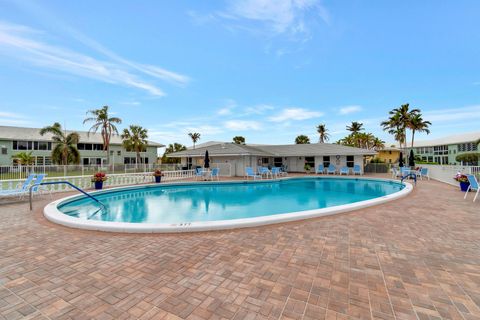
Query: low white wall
pixel 446 173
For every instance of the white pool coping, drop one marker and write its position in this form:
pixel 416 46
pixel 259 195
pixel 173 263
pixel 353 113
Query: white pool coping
pixel 53 214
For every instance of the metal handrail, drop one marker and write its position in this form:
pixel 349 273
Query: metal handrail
pixel 67 183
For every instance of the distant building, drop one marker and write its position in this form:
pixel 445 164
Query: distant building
pixel 445 150
pixel 389 154
pixel 292 157
pixel 16 139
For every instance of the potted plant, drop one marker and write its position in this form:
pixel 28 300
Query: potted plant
pixel 98 178
pixel 158 175
pixel 307 168
pixel 463 180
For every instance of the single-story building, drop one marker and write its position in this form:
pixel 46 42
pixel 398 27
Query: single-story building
pixel 232 159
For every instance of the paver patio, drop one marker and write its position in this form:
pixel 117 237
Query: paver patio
pixel 414 258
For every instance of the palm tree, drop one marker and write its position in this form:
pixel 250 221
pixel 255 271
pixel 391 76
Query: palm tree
pixel 135 139
pixel 175 147
pixel 239 140
pixel 378 144
pixel 417 124
pixel 355 127
pixel 24 158
pixel 195 136
pixel 302 139
pixel 101 120
pixel 65 145
pixel 399 121
pixel 322 133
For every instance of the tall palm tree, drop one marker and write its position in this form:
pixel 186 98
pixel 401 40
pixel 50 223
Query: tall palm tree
pixel 135 139
pixel 175 147
pixel 355 127
pixel 65 145
pixel 302 139
pixel 417 124
pixel 24 158
pixel 378 144
pixel 107 125
pixel 323 135
pixel 195 136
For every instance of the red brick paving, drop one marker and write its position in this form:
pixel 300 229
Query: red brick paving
pixel 414 258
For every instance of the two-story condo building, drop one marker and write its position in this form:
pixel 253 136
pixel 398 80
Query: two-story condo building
pixel 17 139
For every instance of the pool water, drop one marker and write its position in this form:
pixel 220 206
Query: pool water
pixel 175 204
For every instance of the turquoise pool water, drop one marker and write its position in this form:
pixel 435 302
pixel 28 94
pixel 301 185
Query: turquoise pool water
pixel 172 204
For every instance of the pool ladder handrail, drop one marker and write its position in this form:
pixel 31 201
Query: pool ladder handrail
pixel 67 183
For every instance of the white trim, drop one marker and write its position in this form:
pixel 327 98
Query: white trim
pixel 52 213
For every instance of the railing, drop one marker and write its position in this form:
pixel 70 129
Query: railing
pixel 84 182
pixel 446 173
pixel 21 172
pixel 62 182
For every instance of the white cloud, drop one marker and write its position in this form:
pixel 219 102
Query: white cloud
pixel 227 109
pixel 19 42
pixel 453 114
pixel 131 103
pixel 279 16
pixel 350 109
pixel 295 114
pixel 12 119
pixel 258 109
pixel 242 125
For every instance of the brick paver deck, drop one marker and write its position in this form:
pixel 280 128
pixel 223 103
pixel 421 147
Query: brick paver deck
pixel 414 258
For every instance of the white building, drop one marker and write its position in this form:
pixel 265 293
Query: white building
pixel 232 159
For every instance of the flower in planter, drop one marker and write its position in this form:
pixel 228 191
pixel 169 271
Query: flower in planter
pixel 158 173
pixel 460 177
pixel 99 177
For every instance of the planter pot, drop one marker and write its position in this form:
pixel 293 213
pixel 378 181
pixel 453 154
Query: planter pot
pixel 464 186
pixel 158 179
pixel 98 185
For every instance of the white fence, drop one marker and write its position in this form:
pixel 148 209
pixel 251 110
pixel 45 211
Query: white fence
pixel 84 182
pixel 21 172
pixel 446 173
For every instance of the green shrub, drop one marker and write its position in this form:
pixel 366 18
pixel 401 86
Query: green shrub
pixel 471 157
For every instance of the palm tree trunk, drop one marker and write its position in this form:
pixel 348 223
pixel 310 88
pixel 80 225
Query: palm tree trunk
pixel 413 137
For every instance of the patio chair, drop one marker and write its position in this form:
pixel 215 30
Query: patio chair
pixel 344 170
pixel 331 169
pixel 37 188
pixel 472 187
pixel 424 173
pixel 215 174
pixel 198 173
pixel 275 172
pixel 250 173
pixel 357 170
pixel 263 171
pixel 20 190
pixel 320 169
pixel 283 170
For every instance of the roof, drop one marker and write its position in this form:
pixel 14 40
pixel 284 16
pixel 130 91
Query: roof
pixel 232 149
pixel 20 133
pixel 390 149
pixel 453 139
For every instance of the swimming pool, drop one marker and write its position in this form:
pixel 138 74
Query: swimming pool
pixel 221 205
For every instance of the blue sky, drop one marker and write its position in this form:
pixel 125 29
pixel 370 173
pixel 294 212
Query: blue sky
pixel 268 70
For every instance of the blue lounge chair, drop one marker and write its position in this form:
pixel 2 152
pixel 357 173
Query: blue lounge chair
pixel 357 169
pixel 198 173
pixel 214 174
pixel 37 188
pixel 344 170
pixel 250 173
pixel 320 169
pixel 263 171
pixel 331 169
pixel 473 186
pixel 424 173
pixel 276 172
pixel 20 190
pixel 283 170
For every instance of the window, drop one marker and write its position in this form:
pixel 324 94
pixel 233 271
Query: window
pixel 111 152
pixel 310 161
pixel 350 161
pixel 48 161
pixel 277 162
pixel 20 145
pixel 4 150
pixel 39 161
pixel 265 161
pixel 119 153
pixel 440 150
pixel 326 161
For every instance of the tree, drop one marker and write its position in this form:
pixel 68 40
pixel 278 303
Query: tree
pixel 175 147
pixel 323 135
pixel 302 139
pixel 195 136
pixel 65 145
pixel 399 121
pixel 239 140
pixel 24 158
pixel 135 139
pixel 417 124
pixel 469 158
pixel 362 140
pixel 355 127
pixel 101 120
